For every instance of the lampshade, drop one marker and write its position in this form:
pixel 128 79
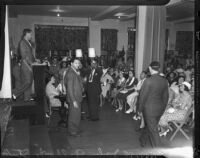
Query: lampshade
pixel 91 53
pixel 79 53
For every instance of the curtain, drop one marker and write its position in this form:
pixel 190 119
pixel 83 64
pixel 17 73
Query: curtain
pixel 109 40
pixel 155 29
pixel 60 39
pixel 131 39
pixel 2 42
pixel 184 42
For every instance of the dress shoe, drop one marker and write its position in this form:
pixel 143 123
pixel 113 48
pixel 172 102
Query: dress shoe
pixel 142 144
pixel 88 117
pixel 164 133
pixel 14 98
pixel 129 111
pixel 119 109
pixel 139 129
pixel 97 119
pixel 47 115
pixel 80 131
pixel 75 134
pixel 135 117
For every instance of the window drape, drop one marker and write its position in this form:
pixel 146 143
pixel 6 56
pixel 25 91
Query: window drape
pixel 60 39
pixel 109 39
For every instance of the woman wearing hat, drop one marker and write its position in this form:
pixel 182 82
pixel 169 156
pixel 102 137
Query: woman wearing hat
pixel 178 108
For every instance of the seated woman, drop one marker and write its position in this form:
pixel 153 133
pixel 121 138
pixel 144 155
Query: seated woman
pixel 106 81
pixel 52 91
pixel 178 109
pixel 171 77
pixel 118 87
pixel 127 89
pixel 175 85
pixel 132 98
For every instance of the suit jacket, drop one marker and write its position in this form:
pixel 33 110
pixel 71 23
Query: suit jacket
pixel 74 85
pixel 26 52
pixel 153 96
pixel 95 85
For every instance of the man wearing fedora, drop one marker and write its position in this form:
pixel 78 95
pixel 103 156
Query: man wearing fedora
pixel 152 103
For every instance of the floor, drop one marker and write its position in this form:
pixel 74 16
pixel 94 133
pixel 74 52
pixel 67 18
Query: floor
pixel 114 134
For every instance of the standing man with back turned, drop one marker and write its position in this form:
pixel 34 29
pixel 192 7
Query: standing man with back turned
pixel 74 87
pixel 25 50
pixel 152 103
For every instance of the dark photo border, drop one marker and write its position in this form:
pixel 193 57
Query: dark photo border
pixel 196 146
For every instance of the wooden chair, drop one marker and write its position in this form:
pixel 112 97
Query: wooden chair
pixel 179 124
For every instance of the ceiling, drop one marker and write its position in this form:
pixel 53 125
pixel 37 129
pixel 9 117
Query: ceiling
pixel 183 9
pixel 94 12
pixel 176 11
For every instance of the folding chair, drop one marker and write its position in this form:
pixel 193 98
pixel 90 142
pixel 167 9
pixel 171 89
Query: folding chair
pixel 179 124
pixel 51 110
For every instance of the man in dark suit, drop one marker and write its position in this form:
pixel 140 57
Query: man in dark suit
pixel 152 103
pixel 74 87
pixel 94 91
pixel 25 50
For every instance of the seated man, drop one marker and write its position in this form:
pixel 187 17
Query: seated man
pixel 178 109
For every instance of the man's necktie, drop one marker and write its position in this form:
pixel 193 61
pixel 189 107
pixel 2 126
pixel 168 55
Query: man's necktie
pixel 91 76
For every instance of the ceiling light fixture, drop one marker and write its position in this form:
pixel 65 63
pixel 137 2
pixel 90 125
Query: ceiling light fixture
pixel 58 10
pixel 58 15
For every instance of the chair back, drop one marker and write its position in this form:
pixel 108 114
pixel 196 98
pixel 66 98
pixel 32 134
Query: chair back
pixel 189 112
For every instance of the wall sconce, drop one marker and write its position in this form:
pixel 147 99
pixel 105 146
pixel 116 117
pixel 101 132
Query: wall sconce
pixel 79 53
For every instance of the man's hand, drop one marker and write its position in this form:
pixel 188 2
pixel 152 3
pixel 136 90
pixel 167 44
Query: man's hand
pixel 75 104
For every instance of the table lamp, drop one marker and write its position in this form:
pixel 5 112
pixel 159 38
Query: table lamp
pixel 79 53
pixel 91 53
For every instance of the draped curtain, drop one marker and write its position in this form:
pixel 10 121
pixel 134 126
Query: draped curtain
pixel 184 42
pixel 2 42
pixel 155 28
pixel 109 40
pixel 60 39
pixel 131 39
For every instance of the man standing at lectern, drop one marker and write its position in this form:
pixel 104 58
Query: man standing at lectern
pixel 25 51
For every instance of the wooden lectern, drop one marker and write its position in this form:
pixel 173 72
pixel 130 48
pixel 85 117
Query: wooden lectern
pixel 39 73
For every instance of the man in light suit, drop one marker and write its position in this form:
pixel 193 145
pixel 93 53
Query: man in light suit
pixel 74 87
pixel 152 103
pixel 25 50
pixel 94 91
